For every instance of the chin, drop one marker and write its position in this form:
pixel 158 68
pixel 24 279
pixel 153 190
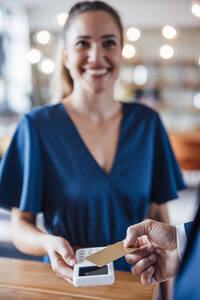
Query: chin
pixel 96 89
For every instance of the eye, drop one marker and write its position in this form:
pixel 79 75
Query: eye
pixel 109 43
pixel 82 44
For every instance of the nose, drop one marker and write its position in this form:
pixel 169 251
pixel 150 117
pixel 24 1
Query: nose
pixel 95 53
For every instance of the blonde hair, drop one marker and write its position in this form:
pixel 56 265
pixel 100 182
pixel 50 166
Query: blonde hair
pixel 62 82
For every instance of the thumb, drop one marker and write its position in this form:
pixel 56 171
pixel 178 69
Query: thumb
pixel 134 232
pixel 163 235
pixel 67 253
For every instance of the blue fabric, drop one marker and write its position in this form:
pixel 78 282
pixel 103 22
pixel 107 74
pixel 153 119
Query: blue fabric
pixel 188 227
pixel 49 169
pixel 187 282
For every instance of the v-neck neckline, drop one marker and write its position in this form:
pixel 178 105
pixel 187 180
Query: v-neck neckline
pixel 85 147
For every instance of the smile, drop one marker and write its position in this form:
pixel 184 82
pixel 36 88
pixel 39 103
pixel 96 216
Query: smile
pixel 97 72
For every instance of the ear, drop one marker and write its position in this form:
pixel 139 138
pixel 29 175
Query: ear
pixel 65 58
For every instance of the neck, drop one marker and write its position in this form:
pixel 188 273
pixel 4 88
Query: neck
pixel 96 106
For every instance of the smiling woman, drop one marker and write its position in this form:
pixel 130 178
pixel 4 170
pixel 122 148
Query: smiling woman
pixel 62 84
pixel 92 51
pixel 92 165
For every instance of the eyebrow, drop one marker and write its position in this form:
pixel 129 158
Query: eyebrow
pixel 106 36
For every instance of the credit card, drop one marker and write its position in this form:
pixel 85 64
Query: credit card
pixel 109 254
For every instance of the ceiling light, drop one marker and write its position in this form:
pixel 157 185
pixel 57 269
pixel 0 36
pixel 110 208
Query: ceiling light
pixel 195 8
pixel 47 66
pixel 140 75
pixel 166 52
pixel 169 32
pixel 34 56
pixel 43 37
pixel 128 51
pixel 133 34
pixel 61 18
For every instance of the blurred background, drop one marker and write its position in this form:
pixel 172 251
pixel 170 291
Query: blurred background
pixel 161 68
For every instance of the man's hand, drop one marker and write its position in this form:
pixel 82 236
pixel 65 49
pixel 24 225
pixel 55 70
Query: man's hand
pixel 162 261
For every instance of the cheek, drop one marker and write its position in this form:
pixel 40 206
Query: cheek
pixel 117 58
pixel 117 62
pixel 74 60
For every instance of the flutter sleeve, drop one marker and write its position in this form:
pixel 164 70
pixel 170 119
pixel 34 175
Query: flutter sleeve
pixel 21 170
pixel 167 177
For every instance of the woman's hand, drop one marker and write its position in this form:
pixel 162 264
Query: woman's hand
pixel 31 240
pixel 61 257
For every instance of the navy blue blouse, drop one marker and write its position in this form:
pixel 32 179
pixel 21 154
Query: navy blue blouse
pixel 48 168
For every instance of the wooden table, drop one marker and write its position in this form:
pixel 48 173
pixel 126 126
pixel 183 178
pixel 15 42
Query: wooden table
pixel 28 280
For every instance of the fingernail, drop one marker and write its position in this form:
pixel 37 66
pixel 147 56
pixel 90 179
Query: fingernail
pixel 71 262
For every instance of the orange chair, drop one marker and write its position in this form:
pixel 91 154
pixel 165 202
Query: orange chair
pixel 186 147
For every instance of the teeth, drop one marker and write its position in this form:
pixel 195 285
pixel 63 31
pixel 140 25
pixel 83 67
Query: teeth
pixel 96 72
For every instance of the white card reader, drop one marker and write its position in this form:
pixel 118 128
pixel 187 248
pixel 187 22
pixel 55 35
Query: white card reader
pixel 87 273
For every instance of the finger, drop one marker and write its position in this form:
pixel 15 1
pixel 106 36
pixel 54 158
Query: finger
pixel 70 281
pixel 134 257
pixel 58 275
pixel 134 232
pixel 62 270
pixel 147 276
pixel 144 240
pixel 60 267
pixel 143 264
pixel 67 253
pixel 69 259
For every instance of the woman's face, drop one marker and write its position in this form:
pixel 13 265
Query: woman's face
pixel 93 51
